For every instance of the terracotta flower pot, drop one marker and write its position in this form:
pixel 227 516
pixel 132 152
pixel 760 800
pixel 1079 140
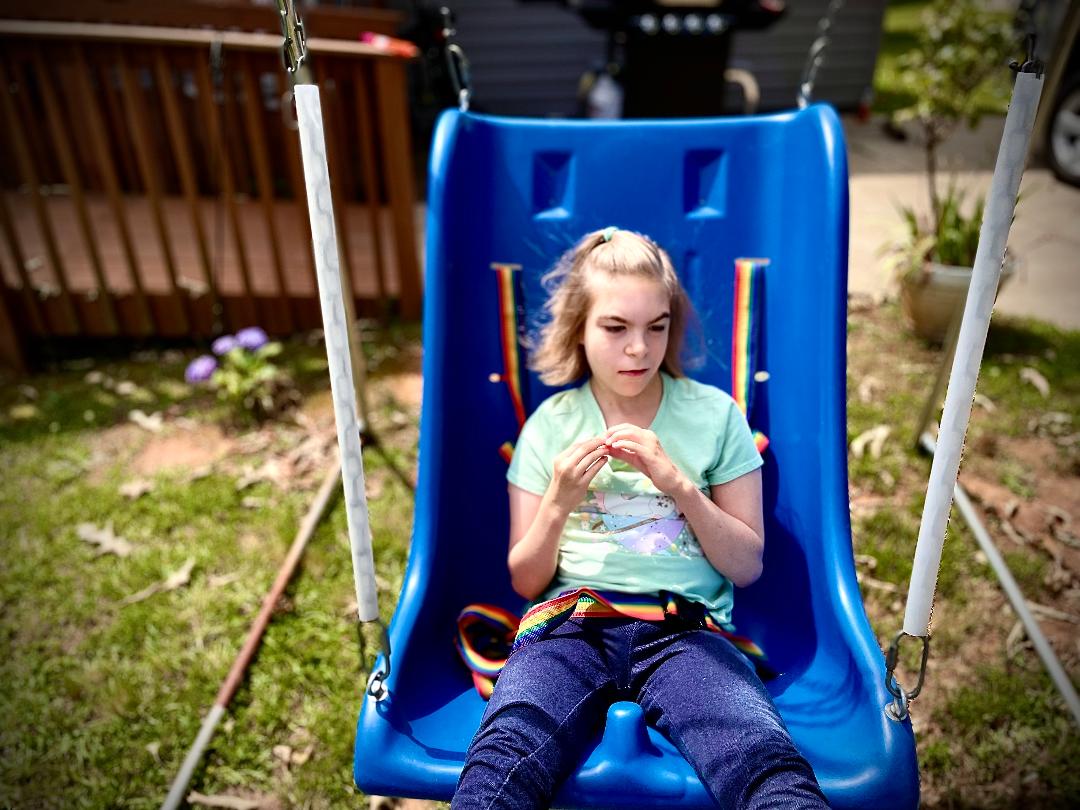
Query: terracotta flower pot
pixel 930 298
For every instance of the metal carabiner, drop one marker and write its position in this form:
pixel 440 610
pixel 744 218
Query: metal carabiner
pixel 898 709
pixel 376 686
pixel 459 74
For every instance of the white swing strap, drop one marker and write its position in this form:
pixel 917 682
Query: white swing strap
pixel 335 327
pixel 965 368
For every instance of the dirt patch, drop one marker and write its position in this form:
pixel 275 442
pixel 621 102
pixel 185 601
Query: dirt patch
pixel 195 447
pixel 406 389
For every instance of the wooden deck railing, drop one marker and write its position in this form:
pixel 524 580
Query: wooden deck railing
pixel 152 183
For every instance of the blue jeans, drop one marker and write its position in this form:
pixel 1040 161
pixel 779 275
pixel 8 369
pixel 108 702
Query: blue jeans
pixel 693 686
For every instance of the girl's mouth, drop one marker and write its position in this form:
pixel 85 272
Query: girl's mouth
pixel 635 373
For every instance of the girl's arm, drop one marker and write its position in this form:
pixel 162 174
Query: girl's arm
pixel 729 526
pixel 536 522
pixel 535 528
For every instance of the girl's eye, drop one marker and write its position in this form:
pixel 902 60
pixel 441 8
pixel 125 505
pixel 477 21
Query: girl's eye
pixel 658 327
pixel 613 329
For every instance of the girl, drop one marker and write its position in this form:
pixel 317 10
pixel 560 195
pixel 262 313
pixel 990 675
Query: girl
pixel 642 486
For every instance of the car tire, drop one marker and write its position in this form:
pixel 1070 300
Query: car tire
pixel 1063 134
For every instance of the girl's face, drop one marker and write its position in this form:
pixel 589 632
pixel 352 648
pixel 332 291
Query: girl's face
pixel 626 332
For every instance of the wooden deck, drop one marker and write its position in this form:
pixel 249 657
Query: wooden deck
pixel 278 310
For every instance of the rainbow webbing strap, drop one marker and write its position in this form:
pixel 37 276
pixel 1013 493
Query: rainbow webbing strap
pixel 744 335
pixel 488 635
pixel 508 336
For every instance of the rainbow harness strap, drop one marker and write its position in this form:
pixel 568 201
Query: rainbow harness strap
pixel 488 635
pixel 508 336
pixel 744 336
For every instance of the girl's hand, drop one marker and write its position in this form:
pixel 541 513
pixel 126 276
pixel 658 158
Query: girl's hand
pixel 641 449
pixel 574 469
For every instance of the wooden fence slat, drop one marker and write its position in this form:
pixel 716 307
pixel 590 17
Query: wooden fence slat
pixel 136 114
pixel 58 130
pixel 37 146
pixel 117 132
pixel 225 173
pixel 185 167
pixel 252 115
pixel 37 316
pixel 84 92
pixel 30 177
pixel 394 129
pixel 231 127
pixel 369 166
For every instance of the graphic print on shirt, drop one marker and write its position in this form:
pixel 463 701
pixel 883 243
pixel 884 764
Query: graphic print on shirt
pixel 640 522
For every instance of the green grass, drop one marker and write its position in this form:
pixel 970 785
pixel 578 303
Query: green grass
pixel 102 700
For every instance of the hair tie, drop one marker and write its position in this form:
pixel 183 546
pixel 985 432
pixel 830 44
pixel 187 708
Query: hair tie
pixel 609 232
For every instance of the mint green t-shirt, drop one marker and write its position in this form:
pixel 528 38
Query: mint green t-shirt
pixel 627 535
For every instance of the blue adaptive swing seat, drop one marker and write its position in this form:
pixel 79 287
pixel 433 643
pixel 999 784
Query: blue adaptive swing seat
pixel 520 192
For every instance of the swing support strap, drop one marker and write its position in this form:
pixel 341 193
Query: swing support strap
pixel 971 342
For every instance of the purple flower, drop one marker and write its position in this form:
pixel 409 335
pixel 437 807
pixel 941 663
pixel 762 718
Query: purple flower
pixel 223 345
pixel 252 338
pixel 200 369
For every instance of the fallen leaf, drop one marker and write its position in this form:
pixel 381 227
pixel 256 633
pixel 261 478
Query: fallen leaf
pixel 877 584
pixel 136 488
pixel 868 560
pixel 1047 612
pixel 24 411
pixel 231 802
pixel 253 502
pixel 200 472
pixel 252 443
pixel 105 539
pixel 874 437
pixel 273 470
pixel 300 757
pixel 1058 515
pixel 1016 640
pixel 152 422
pixel 985 403
pixel 1012 533
pixel 1028 374
pixel 221 580
pixel 177 579
pixel 28 391
pixel 153 749
pixel 868 387
pixel 282 752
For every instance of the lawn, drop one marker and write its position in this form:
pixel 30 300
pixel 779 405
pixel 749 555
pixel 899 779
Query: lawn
pixel 103 693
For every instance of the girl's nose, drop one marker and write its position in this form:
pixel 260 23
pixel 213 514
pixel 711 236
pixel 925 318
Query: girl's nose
pixel 636 345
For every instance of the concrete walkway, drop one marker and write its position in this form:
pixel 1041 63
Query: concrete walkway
pixel 1045 235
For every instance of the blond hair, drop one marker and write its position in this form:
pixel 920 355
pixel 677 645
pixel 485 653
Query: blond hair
pixel 559 356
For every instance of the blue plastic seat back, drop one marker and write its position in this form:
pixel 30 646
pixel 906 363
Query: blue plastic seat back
pixel 521 192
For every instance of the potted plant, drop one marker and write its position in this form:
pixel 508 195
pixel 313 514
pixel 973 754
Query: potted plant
pixel 934 262
pixel 958 53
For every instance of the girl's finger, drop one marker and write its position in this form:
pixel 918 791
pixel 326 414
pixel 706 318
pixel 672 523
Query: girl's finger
pixel 588 461
pixel 632 431
pixel 577 451
pixel 629 444
pixel 591 472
